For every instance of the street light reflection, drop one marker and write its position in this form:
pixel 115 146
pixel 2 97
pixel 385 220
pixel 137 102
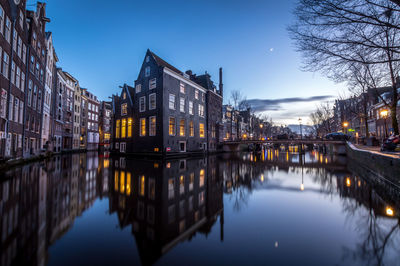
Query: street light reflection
pixel 348 182
pixel 389 211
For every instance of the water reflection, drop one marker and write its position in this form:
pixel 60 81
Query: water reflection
pixel 163 203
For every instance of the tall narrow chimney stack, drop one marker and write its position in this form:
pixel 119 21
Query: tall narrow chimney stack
pixel 221 86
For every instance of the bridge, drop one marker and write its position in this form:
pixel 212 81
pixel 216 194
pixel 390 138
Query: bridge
pixel 328 146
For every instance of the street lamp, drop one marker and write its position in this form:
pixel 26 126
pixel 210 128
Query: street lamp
pixel 301 131
pixel 384 114
pixel 345 125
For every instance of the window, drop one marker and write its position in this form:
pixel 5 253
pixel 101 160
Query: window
pixel 24 53
pixel 203 97
pixel 152 128
pixel 138 88
pixel 171 129
pixel 202 177
pixel 142 127
pixel 10 107
pixel 13 72
pixel 32 64
pixel 172 101
pixel 142 104
pixel 3 102
pixel 130 127
pixel 21 19
pixel 201 130
pixel 1 20
pixel 123 128
pixel 190 107
pixel 182 127
pixel 15 40
pixel 16 108
pixel 191 129
pixel 171 190
pixel 5 64
pixel 117 129
pixel 191 181
pixel 182 105
pixel 18 78
pixel 196 94
pixel 124 109
pixel 181 185
pixel 152 101
pixel 182 87
pixel 123 97
pixel 19 47
pixel 141 185
pixel 152 83
pixel 147 59
pixel 7 32
pixel 22 81
pixel 213 131
pixel 147 71
pixel 30 88
pixel 201 110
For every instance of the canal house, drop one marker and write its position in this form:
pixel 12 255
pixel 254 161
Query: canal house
pixel 165 112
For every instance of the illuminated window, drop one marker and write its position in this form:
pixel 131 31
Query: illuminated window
pixel 117 130
pixel 182 184
pixel 124 109
pixel 182 127
pixel 202 176
pixel 213 131
pixel 182 87
pixel 107 136
pixel 191 129
pixel 116 181
pixel 152 189
pixel 152 126
pixel 122 182
pixel 191 181
pixel 201 130
pixel 124 95
pixel 172 126
pixel 171 188
pixel 130 127
pixel 123 129
pixel 142 127
pixel 128 183
pixel 142 182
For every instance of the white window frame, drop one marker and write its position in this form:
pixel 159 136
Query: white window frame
pixel 182 104
pixel 154 96
pixel 173 106
pixel 142 104
pixel 152 83
pixel 138 88
pixel 182 88
pixel 190 107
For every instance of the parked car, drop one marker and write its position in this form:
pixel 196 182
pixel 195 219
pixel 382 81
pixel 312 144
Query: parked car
pixel 337 136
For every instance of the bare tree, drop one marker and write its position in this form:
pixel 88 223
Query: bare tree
pixel 236 97
pixel 322 119
pixel 335 34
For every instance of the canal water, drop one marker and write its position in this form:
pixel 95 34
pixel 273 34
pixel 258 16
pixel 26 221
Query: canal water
pixel 269 208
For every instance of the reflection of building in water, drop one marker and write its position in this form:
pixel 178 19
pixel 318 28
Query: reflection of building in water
pixel 165 202
pixel 39 203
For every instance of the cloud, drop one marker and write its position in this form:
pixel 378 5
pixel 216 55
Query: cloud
pixel 261 105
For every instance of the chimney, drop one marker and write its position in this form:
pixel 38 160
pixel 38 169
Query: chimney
pixel 221 86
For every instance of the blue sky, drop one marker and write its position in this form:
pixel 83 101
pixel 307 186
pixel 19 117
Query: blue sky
pixel 102 43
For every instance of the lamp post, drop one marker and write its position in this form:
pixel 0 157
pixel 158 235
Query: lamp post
pixel 301 131
pixel 384 115
pixel 345 125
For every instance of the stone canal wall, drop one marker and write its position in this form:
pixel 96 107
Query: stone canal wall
pixel 383 166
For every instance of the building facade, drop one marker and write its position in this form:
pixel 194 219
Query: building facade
pixel 105 126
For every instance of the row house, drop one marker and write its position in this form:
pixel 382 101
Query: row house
pixel 90 112
pixel 13 69
pixel 105 124
pixel 36 22
pixel 74 101
pixel 165 112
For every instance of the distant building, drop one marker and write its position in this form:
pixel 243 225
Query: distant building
pixel 93 106
pixel 105 125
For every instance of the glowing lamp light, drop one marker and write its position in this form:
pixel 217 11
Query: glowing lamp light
pixel 262 178
pixel 345 124
pixel 348 182
pixel 261 125
pixel 389 211
pixel 302 187
pixel 384 113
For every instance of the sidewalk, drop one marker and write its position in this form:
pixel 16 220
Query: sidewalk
pixel 377 150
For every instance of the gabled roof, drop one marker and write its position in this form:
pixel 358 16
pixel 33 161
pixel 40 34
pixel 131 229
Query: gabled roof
pixel 163 63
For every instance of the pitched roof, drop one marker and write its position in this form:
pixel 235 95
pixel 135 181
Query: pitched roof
pixel 163 63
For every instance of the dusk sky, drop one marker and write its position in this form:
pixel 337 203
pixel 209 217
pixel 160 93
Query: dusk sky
pixel 103 43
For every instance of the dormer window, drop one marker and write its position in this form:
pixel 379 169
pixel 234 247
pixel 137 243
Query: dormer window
pixel 147 71
pixel 124 95
pixel 147 59
pixel 138 88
